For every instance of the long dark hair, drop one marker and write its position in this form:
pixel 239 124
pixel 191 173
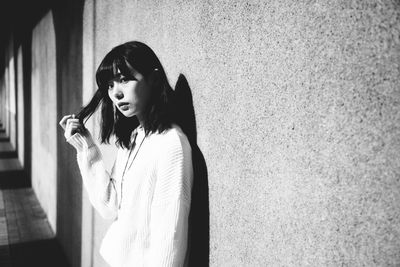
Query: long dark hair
pixel 158 114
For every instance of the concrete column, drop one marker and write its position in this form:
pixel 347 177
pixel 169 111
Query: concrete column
pixel 88 88
pixel 68 25
pixel 44 116
pixel 20 108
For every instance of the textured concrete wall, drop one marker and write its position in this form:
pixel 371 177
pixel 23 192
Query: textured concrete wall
pixel 68 26
pixel 44 116
pixel 298 113
pixel 20 108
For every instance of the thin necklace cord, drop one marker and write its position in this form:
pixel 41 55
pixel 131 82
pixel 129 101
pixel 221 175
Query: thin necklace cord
pixel 127 161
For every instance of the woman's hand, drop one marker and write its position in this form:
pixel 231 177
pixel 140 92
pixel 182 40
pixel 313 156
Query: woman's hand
pixel 71 126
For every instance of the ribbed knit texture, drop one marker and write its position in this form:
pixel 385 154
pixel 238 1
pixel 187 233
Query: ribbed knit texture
pixel 151 226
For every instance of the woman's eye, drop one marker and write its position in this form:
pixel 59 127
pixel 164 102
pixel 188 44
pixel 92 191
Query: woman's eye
pixel 126 79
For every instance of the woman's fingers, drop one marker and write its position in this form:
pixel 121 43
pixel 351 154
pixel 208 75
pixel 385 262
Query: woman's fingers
pixel 63 121
pixel 69 121
pixel 71 129
pixel 71 125
pixel 73 121
pixel 76 127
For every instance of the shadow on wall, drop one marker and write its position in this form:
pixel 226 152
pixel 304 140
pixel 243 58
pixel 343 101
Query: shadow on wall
pixel 199 217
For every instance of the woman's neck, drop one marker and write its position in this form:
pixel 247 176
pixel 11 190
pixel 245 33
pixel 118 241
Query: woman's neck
pixel 141 120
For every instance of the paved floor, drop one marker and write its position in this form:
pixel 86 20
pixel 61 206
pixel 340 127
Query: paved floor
pixel 3 136
pixel 10 164
pixel 6 146
pixel 26 238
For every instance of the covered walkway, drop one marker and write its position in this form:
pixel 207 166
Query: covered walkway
pixel 26 238
pixel 294 107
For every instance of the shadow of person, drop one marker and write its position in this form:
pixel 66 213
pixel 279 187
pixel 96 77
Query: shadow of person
pixel 199 217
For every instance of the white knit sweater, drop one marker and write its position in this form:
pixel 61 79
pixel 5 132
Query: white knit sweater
pixel 151 206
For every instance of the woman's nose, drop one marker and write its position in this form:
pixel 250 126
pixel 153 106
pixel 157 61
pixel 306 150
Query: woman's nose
pixel 118 94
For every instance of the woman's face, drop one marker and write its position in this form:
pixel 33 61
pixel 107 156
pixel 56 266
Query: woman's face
pixel 129 94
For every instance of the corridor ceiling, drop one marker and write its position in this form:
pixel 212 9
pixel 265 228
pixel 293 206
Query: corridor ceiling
pixel 19 16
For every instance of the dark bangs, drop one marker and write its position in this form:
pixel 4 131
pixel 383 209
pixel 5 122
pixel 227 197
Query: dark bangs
pixel 108 70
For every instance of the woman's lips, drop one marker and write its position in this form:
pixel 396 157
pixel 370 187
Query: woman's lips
pixel 123 106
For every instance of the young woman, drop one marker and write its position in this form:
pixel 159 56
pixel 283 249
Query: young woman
pixel 148 191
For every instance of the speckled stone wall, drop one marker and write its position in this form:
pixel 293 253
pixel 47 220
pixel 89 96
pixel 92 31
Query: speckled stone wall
pixel 298 111
pixel 44 117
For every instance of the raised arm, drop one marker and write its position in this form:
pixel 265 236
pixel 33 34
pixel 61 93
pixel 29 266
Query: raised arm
pixel 96 180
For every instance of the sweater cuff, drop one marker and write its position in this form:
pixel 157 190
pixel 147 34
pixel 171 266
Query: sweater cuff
pixel 81 142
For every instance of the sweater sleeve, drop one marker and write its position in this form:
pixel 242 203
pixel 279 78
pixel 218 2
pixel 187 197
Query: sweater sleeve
pixel 96 180
pixel 171 206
